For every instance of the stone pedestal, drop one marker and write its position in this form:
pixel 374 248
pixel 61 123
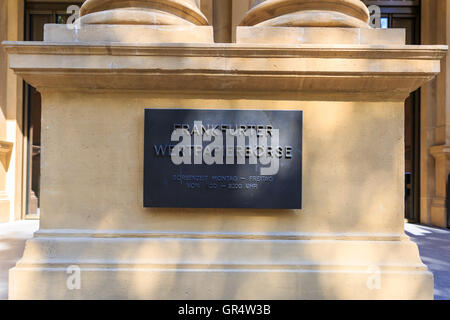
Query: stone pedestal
pixel 346 243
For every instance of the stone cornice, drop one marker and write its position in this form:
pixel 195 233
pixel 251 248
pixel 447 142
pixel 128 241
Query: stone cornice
pixel 374 72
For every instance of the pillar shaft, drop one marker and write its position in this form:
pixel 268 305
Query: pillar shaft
pixel 435 119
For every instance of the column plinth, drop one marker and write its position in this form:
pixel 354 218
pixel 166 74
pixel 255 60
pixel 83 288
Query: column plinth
pixel 441 155
pixel 313 22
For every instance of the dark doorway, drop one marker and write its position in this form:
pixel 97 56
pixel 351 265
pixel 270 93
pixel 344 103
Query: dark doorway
pixel 405 14
pixel 37 14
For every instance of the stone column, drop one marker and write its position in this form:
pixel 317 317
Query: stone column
pixel 4 201
pixel 435 119
pixel 335 22
pixel 136 21
pixel 11 126
pixel 441 155
pixel 304 13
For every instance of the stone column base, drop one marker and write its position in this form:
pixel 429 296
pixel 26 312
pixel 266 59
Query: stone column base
pixel 151 266
pixel 439 212
pixel 319 35
pixel 441 155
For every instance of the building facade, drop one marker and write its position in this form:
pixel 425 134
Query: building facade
pixel 427 111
